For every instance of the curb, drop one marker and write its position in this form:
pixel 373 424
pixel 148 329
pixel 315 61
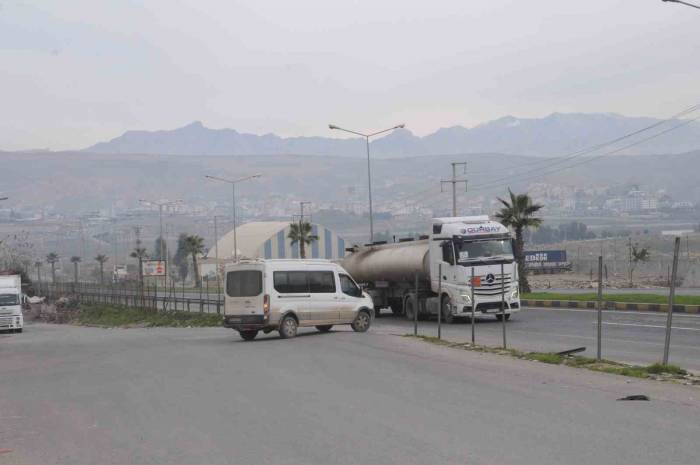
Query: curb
pixel 588 304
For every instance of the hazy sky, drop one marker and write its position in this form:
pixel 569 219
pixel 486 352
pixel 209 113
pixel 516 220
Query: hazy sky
pixel 74 72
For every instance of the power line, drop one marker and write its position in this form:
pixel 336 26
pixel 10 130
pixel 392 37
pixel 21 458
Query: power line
pixel 594 148
pixel 588 160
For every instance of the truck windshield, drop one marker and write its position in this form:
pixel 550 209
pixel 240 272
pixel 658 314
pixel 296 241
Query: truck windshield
pixel 9 299
pixel 484 250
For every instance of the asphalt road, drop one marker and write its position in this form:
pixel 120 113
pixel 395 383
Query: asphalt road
pixel 74 396
pixel 634 337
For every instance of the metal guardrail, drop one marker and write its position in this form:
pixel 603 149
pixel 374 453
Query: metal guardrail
pixel 163 298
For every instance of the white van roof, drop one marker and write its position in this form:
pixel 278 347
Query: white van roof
pixel 286 263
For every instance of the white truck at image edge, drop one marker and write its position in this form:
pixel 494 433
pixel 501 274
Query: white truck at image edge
pixel 11 317
pixel 456 246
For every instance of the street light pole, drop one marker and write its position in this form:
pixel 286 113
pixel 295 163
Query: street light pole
pixel 233 183
pixel 369 168
pixel 160 205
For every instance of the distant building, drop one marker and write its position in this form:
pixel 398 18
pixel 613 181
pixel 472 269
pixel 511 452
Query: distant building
pixel 268 239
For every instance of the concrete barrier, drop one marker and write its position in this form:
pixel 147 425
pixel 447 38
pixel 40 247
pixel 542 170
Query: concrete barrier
pixel 626 306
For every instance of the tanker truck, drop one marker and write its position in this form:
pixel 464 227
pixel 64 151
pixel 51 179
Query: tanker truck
pixel 440 267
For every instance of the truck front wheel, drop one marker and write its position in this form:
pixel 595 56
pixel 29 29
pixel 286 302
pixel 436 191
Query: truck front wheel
pixel 446 309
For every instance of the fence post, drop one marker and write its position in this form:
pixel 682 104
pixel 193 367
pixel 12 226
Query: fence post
pixel 600 306
pixel 671 296
pixel 503 305
pixel 440 301
pixel 415 309
pixel 471 287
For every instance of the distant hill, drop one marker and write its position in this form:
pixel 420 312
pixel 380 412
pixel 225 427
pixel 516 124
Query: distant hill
pixel 555 135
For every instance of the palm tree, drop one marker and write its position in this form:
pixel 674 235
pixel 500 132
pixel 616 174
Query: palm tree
pixel 141 254
pixel 75 260
pixel 52 258
pixel 194 245
pixel 37 265
pixel 301 233
pixel 517 213
pixel 102 259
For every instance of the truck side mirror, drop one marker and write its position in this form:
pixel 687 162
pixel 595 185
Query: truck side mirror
pixel 448 252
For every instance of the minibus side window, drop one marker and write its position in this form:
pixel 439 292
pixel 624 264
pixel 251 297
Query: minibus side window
pixel 348 286
pixel 291 282
pixel 321 282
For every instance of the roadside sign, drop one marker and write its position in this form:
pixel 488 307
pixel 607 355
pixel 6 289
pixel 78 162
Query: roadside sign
pixel 154 267
pixel 545 256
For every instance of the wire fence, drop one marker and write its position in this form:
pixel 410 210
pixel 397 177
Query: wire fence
pixel 163 297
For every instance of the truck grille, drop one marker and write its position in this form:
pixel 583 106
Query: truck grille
pixel 5 322
pixel 492 287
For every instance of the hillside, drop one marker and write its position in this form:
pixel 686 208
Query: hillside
pixel 76 181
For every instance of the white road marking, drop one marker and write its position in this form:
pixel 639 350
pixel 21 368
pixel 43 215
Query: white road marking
pixel 613 312
pixel 649 326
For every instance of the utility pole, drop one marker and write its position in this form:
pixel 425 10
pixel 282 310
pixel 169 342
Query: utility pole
pixel 454 181
pixel 216 258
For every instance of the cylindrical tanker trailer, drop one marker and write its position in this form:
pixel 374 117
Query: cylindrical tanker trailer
pixel 440 268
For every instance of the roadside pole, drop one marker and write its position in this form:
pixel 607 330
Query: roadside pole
pixel 600 305
pixel 503 306
pixel 440 301
pixel 471 287
pixel 415 309
pixel 671 296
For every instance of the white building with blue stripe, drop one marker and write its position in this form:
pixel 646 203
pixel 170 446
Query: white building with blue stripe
pixel 268 239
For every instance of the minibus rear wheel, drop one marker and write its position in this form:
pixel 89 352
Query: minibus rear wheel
pixel 288 327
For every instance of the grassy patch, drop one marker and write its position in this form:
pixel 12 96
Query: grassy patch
pixel 544 357
pixel 632 298
pixel 117 316
pixel 656 371
pixel 658 368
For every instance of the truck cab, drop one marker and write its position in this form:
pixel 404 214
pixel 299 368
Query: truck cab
pixel 473 266
pixel 11 318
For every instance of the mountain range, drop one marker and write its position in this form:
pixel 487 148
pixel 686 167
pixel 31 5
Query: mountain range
pixel 558 134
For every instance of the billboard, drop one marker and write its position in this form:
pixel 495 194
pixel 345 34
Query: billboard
pixel 545 256
pixel 153 267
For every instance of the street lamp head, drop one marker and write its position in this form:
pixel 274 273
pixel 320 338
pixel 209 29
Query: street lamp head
pixel 401 126
pixel 332 126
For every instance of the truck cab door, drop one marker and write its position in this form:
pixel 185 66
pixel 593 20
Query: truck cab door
pixel 449 265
